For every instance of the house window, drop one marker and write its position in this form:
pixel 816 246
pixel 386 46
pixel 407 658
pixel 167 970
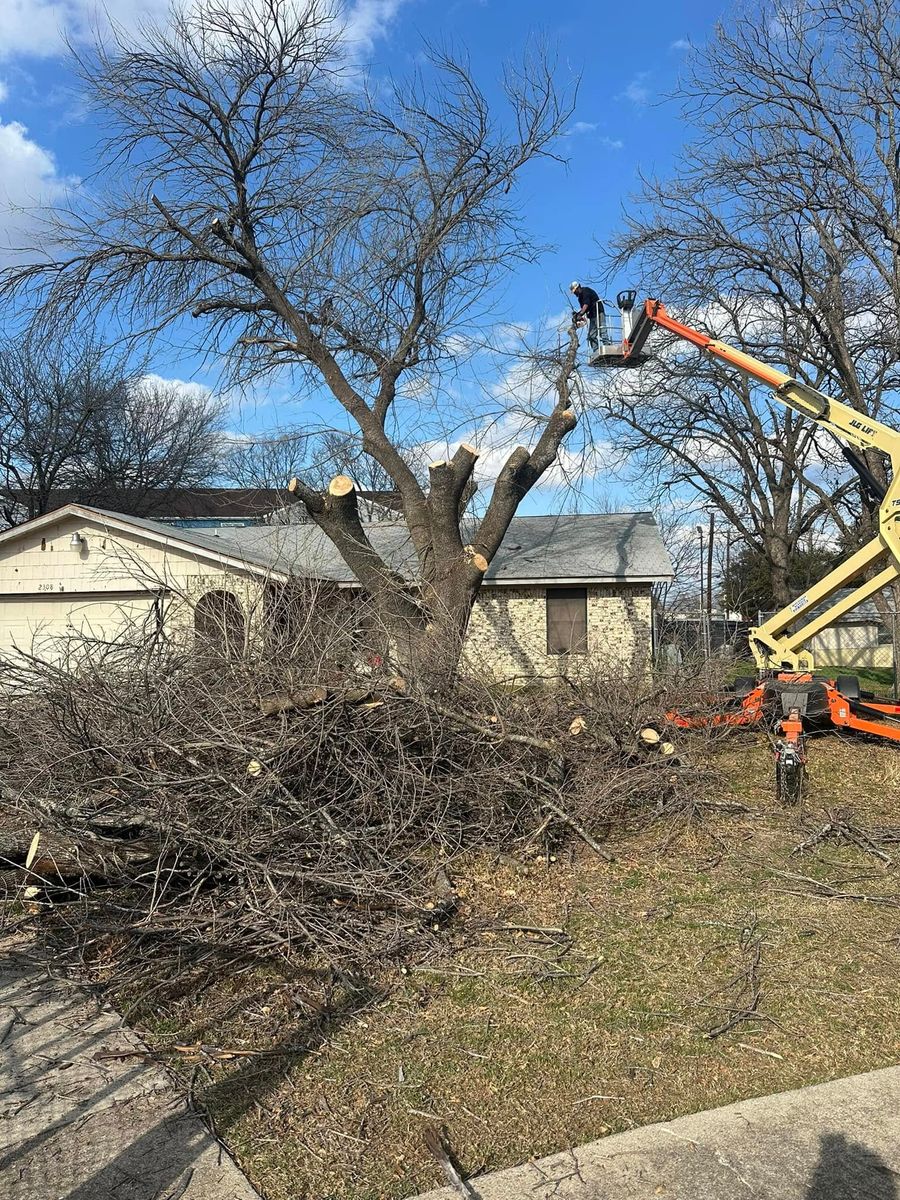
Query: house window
pixel 567 621
pixel 219 623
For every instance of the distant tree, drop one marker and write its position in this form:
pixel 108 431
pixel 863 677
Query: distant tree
pixel 48 408
pixel 272 460
pixel 688 427
pixel 748 586
pixel 159 439
pixel 73 419
pixel 349 233
pixel 780 231
pixel 265 460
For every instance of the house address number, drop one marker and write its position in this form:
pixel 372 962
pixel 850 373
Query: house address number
pixel 51 587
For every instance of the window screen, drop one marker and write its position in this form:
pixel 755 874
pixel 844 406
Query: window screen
pixel 567 620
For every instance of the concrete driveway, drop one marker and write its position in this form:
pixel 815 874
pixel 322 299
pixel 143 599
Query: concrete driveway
pixel 79 1123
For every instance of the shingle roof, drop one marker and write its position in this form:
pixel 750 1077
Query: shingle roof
pixel 165 504
pixel 583 546
pixel 864 614
pixel 591 546
pixel 173 503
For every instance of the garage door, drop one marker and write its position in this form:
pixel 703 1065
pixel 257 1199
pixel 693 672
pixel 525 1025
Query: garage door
pixel 47 625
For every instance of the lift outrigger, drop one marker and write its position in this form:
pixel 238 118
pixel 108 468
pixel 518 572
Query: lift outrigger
pixel 787 694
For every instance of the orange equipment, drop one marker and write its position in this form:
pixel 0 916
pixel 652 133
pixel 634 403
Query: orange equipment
pixel 787 696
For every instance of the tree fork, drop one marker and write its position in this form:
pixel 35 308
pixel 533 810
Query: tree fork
pixel 519 474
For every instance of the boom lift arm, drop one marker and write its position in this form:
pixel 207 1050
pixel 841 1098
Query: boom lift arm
pixel 779 643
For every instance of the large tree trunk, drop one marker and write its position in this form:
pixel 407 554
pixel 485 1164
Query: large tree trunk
pixel 422 624
pixel 779 573
pixel 425 614
pixel 781 546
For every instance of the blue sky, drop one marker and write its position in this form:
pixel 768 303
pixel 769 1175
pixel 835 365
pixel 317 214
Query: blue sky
pixel 628 58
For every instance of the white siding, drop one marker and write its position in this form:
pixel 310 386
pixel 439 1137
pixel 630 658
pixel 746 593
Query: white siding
pixel 50 589
pixel 41 624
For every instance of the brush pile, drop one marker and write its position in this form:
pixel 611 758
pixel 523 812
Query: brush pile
pixel 199 812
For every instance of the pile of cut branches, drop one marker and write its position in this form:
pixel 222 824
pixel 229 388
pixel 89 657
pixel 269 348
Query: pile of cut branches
pixel 197 812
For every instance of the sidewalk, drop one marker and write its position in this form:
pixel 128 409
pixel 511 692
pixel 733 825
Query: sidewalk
pixel 835 1141
pixel 77 1123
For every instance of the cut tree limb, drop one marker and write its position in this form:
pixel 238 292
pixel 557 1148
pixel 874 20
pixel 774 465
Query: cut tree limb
pixel 270 706
pixel 306 495
pixel 562 815
pixel 340 486
pixel 522 739
pixel 439 1148
pixel 476 560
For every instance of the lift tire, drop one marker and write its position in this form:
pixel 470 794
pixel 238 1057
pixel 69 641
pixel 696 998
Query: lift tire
pixel 743 685
pixel 848 685
pixel 789 783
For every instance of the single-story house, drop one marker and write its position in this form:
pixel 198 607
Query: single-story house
pixel 560 588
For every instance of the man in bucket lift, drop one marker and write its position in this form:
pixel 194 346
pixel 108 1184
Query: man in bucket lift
pixel 592 309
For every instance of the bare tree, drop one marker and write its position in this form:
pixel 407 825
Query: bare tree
pixel 687 426
pixel 266 460
pixel 270 460
pixel 75 422
pixel 48 405
pixel 780 229
pixel 346 233
pixel 159 439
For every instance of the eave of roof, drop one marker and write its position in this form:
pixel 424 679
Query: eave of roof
pixel 164 535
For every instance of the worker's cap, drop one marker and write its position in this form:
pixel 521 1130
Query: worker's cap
pixel 574 285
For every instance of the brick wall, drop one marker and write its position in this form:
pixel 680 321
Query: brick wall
pixel 507 634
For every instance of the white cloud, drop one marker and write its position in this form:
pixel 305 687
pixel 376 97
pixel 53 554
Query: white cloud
pixel 368 20
pixel 417 387
pixel 637 92
pixel 558 322
pixel 511 335
pixel 40 28
pixel 151 383
pixel 460 345
pixel 29 180
pixel 580 128
pixel 4 91
pixel 682 44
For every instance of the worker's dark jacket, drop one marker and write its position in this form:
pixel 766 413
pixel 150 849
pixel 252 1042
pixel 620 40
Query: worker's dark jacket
pixel 586 295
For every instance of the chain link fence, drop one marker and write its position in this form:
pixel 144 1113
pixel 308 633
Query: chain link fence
pixel 864 643
pixel 679 638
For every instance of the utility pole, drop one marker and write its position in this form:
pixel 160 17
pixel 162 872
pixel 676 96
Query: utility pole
pixel 709 563
pixel 700 531
pixel 727 598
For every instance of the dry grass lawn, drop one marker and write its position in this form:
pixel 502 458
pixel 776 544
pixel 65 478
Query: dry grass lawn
pixel 523 1042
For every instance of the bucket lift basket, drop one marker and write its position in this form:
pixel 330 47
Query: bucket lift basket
pixel 616 331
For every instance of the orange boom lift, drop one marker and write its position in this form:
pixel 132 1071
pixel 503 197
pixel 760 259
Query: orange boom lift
pixel 786 693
